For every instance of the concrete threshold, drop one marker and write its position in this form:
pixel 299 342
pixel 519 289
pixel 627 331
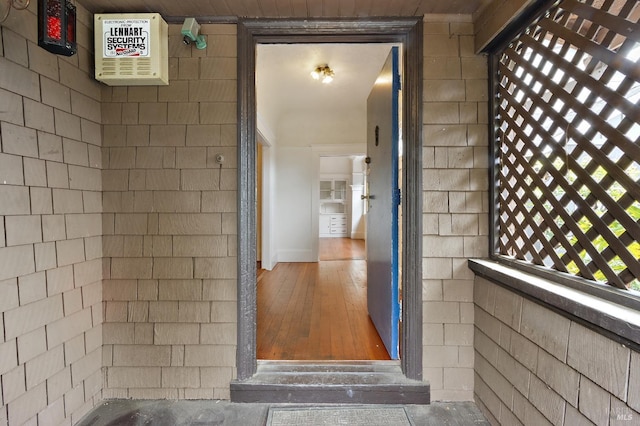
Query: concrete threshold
pixel 316 382
pixel 224 413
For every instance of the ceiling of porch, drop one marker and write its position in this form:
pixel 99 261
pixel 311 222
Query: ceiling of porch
pixel 287 8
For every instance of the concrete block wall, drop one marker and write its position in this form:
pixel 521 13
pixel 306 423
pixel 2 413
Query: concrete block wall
pixel 169 227
pixel 455 194
pixel 50 227
pixel 534 366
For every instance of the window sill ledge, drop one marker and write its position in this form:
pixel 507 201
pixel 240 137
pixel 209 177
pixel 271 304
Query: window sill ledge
pixel 618 322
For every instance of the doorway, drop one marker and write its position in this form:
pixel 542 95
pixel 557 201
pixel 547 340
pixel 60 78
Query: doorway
pixel 317 311
pixel 311 122
pixel 407 32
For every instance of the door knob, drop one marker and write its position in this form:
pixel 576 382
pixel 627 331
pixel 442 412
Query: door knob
pixel 367 197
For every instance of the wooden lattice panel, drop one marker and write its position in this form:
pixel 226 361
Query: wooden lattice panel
pixel 568 126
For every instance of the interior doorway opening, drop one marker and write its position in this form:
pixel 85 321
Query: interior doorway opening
pixel 317 311
pixel 320 311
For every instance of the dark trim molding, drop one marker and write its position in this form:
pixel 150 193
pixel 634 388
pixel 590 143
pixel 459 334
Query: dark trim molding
pixel 246 362
pixel 519 24
pixel 203 19
pixel 407 31
pixel 494 158
pixel 411 344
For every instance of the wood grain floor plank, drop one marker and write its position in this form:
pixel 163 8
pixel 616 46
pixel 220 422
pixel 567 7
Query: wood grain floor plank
pixel 318 311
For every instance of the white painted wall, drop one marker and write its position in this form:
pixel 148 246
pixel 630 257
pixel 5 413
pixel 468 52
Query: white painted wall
pixel 318 127
pixel 303 138
pixel 269 224
pixel 333 165
pixel 294 203
pixel 267 138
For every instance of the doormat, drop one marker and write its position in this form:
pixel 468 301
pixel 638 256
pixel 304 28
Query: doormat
pixel 338 416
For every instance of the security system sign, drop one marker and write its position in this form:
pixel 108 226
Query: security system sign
pixel 126 37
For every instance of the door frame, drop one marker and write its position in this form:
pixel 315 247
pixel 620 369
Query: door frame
pixel 408 32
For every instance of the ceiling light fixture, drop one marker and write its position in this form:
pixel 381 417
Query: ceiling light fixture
pixel 324 73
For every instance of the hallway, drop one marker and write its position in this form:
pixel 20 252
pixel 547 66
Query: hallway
pixel 318 311
pixel 342 249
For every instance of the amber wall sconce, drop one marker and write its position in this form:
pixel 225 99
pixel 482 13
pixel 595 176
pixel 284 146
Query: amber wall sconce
pixel 57 26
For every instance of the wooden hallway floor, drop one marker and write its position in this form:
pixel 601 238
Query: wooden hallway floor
pixel 316 311
pixel 342 249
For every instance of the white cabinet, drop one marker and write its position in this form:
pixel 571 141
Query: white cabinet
pixel 339 225
pixel 333 190
pixel 334 200
pixel 326 190
pixel 325 225
pixel 333 196
pixel 333 225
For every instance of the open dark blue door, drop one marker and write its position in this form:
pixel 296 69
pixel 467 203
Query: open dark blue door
pixel 383 197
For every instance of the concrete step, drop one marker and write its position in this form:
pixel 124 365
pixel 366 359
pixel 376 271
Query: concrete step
pixel 330 383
